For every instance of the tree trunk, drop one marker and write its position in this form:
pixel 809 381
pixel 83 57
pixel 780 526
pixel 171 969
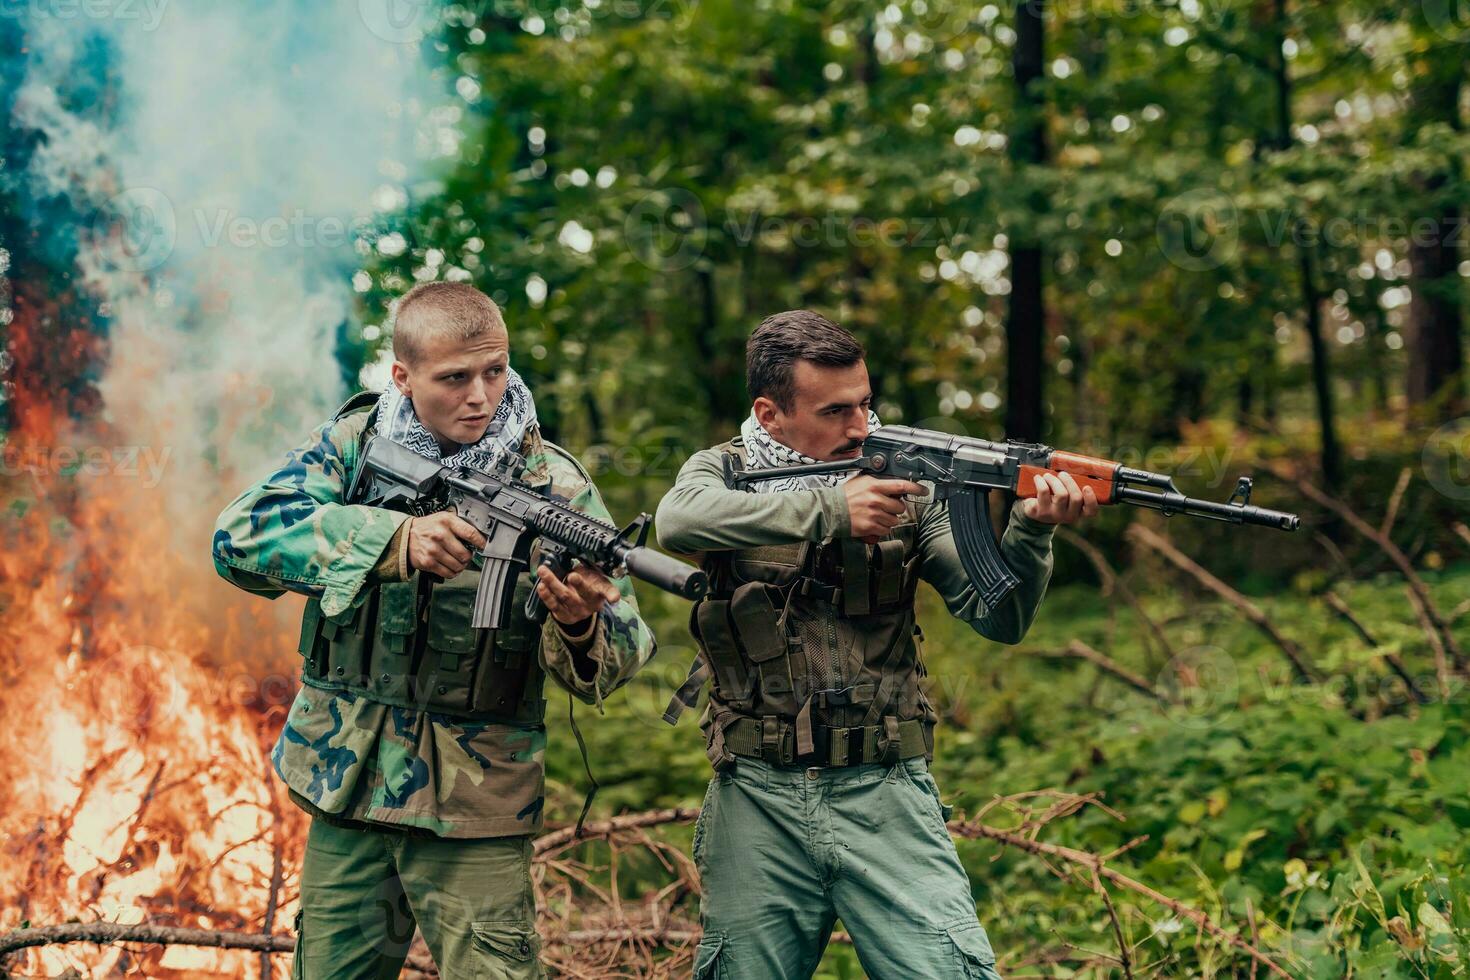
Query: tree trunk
pixel 1026 315
pixel 715 366
pixel 1433 334
pixel 1311 295
pixel 1321 372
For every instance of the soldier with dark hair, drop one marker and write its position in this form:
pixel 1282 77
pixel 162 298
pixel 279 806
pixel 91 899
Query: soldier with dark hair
pixel 416 743
pixel 822 806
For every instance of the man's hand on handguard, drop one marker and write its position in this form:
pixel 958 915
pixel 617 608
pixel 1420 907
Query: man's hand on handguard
pixel 1059 500
pixel 875 506
pixel 575 599
pixel 442 544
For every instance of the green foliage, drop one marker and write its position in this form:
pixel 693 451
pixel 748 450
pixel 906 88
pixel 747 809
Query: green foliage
pixel 698 166
pixel 639 185
pixel 1334 815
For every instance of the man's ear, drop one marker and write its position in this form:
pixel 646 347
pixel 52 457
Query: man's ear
pixel 768 414
pixel 400 379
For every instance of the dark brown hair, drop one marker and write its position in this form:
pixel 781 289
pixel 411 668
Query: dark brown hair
pixel 785 338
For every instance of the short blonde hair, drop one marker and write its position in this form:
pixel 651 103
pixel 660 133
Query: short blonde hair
pixel 441 310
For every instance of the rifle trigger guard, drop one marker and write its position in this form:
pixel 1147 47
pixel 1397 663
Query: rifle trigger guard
pixel 553 557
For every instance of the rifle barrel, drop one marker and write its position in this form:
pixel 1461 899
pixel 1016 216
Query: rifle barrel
pixel 1176 503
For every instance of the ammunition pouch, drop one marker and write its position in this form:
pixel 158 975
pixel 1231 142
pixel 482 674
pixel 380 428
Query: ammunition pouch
pixel 410 645
pixel 812 652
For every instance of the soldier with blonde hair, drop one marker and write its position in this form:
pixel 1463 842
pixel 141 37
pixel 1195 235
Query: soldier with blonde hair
pixel 416 743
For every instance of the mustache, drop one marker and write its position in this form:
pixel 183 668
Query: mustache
pixel 850 446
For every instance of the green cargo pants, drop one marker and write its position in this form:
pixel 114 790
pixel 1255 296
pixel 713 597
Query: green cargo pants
pixel 364 890
pixel 783 853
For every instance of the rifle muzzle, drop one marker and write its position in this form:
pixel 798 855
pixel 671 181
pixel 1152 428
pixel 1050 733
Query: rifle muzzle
pixel 669 574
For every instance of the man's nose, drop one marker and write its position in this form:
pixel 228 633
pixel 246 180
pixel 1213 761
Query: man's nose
pixel 857 425
pixel 478 392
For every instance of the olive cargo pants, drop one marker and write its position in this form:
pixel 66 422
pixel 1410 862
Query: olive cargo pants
pixel 363 891
pixel 783 853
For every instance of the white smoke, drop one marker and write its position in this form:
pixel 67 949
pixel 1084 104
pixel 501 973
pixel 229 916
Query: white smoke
pixel 248 143
pixel 230 153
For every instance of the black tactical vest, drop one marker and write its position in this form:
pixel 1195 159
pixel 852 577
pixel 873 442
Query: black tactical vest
pixel 813 652
pixel 409 644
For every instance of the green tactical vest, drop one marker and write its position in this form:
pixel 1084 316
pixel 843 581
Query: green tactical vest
pixel 409 644
pixel 813 652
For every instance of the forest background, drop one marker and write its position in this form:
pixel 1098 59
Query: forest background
pixel 1213 238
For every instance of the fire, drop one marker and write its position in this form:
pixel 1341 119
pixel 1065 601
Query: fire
pixel 152 368
pixel 141 697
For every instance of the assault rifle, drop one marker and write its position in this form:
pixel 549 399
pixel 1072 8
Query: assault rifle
pixel 964 470
pixel 511 516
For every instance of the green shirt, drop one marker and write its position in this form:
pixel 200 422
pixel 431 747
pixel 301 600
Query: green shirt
pixel 701 514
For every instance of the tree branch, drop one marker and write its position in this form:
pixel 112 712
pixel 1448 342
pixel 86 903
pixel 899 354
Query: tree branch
pixel 1336 602
pixel 598 829
pixel 1093 863
pixel 1081 651
pixel 1112 582
pixel 1436 622
pixel 1152 539
pixel 1389 516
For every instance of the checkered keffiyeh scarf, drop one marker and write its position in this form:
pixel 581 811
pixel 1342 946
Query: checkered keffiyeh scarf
pixel 513 416
pixel 762 452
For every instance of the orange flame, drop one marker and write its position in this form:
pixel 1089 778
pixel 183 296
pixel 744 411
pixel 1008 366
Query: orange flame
pixel 141 697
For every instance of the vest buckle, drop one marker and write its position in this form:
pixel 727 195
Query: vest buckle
pixel 810 588
pixel 772 744
pixel 840 747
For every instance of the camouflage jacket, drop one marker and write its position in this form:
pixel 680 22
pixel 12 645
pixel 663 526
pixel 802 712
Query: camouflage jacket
pixel 348 757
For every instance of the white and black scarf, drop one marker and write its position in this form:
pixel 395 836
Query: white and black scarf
pixel 763 452
pixel 513 416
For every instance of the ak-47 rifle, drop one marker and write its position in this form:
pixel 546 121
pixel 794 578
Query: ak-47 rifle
pixel 964 470
pixel 511 516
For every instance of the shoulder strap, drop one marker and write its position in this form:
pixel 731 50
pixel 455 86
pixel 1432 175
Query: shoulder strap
pixel 359 401
pixel 733 453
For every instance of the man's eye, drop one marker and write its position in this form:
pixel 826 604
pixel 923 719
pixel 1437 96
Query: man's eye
pixel 496 372
pixel 455 377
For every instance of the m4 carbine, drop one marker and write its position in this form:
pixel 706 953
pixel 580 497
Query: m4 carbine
pixel 964 470
pixel 511 516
